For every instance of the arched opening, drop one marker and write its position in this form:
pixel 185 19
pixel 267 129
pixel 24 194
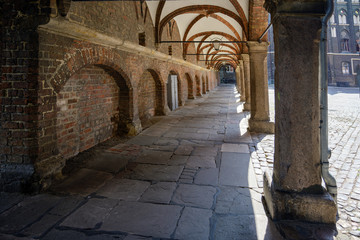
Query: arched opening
pixel 203 87
pixel 190 86
pixel 198 86
pixel 92 107
pixel 227 74
pixel 150 100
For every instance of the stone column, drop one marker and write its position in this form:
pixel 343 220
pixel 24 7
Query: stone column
pixel 242 81
pixel 246 63
pixel 294 191
pixel 259 120
pixel 237 74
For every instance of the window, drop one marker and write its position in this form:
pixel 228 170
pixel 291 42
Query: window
pixel 357 41
pixel 356 17
pixel 345 67
pixel 332 19
pixel 342 17
pixel 344 43
pixel 333 32
pixel 355 1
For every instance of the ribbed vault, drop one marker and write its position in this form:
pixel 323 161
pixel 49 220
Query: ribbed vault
pixel 204 21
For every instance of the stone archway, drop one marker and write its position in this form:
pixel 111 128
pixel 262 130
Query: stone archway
pixel 92 106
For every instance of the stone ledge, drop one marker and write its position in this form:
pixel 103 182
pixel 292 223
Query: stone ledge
pixel 317 208
pixel 261 126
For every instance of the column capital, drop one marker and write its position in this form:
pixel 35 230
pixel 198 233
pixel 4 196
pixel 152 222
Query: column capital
pixel 296 8
pixel 245 57
pixel 255 46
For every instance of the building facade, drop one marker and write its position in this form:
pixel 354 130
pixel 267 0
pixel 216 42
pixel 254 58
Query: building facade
pixel 343 43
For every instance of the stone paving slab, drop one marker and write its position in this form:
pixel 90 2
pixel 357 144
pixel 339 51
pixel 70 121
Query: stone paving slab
pixel 159 193
pixel 108 162
pixel 91 215
pixel 249 227
pixel 207 176
pixel 194 196
pixel 194 224
pixel 52 217
pixel 205 151
pixel 8 200
pixel 177 160
pixel 236 170
pixel 237 148
pixel 201 162
pixel 143 218
pixel 154 157
pixel 157 172
pixel 26 212
pixel 241 201
pixel 84 182
pixel 123 189
pixel 143 140
pixel 184 150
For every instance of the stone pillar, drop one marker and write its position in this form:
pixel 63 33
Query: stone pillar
pixel 246 63
pixel 242 81
pixel 259 120
pixel 237 74
pixel 294 191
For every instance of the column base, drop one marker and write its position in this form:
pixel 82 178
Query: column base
pixel 261 126
pixel 317 208
pixel 247 107
pixel 242 98
pixel 134 128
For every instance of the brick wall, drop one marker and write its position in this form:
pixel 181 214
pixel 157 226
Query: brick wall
pixel 258 19
pixel 87 111
pixel 146 98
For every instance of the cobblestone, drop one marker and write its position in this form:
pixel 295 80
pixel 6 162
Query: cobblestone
pixel 344 139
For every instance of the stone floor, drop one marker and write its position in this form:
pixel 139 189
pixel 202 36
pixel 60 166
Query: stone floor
pixel 189 176
pixel 195 174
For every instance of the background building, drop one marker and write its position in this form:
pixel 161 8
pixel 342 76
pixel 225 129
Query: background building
pixel 343 43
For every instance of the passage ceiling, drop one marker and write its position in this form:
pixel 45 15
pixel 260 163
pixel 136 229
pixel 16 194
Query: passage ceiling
pixel 202 22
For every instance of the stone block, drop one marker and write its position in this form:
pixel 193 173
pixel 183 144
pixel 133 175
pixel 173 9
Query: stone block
pixel 123 189
pixel 159 193
pixel 157 172
pixel 194 196
pixel 320 208
pixel 194 224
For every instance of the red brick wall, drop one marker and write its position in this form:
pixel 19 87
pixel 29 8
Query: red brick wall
pixel 198 86
pixel 87 111
pixel 146 97
pixel 258 19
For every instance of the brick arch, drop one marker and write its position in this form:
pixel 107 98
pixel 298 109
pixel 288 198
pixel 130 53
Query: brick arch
pixel 190 86
pixel 91 107
pixel 74 61
pixel 209 33
pixel 159 91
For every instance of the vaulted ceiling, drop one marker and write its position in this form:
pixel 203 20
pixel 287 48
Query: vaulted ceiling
pixel 203 21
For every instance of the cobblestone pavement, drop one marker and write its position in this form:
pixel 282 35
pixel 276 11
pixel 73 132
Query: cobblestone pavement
pixel 344 142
